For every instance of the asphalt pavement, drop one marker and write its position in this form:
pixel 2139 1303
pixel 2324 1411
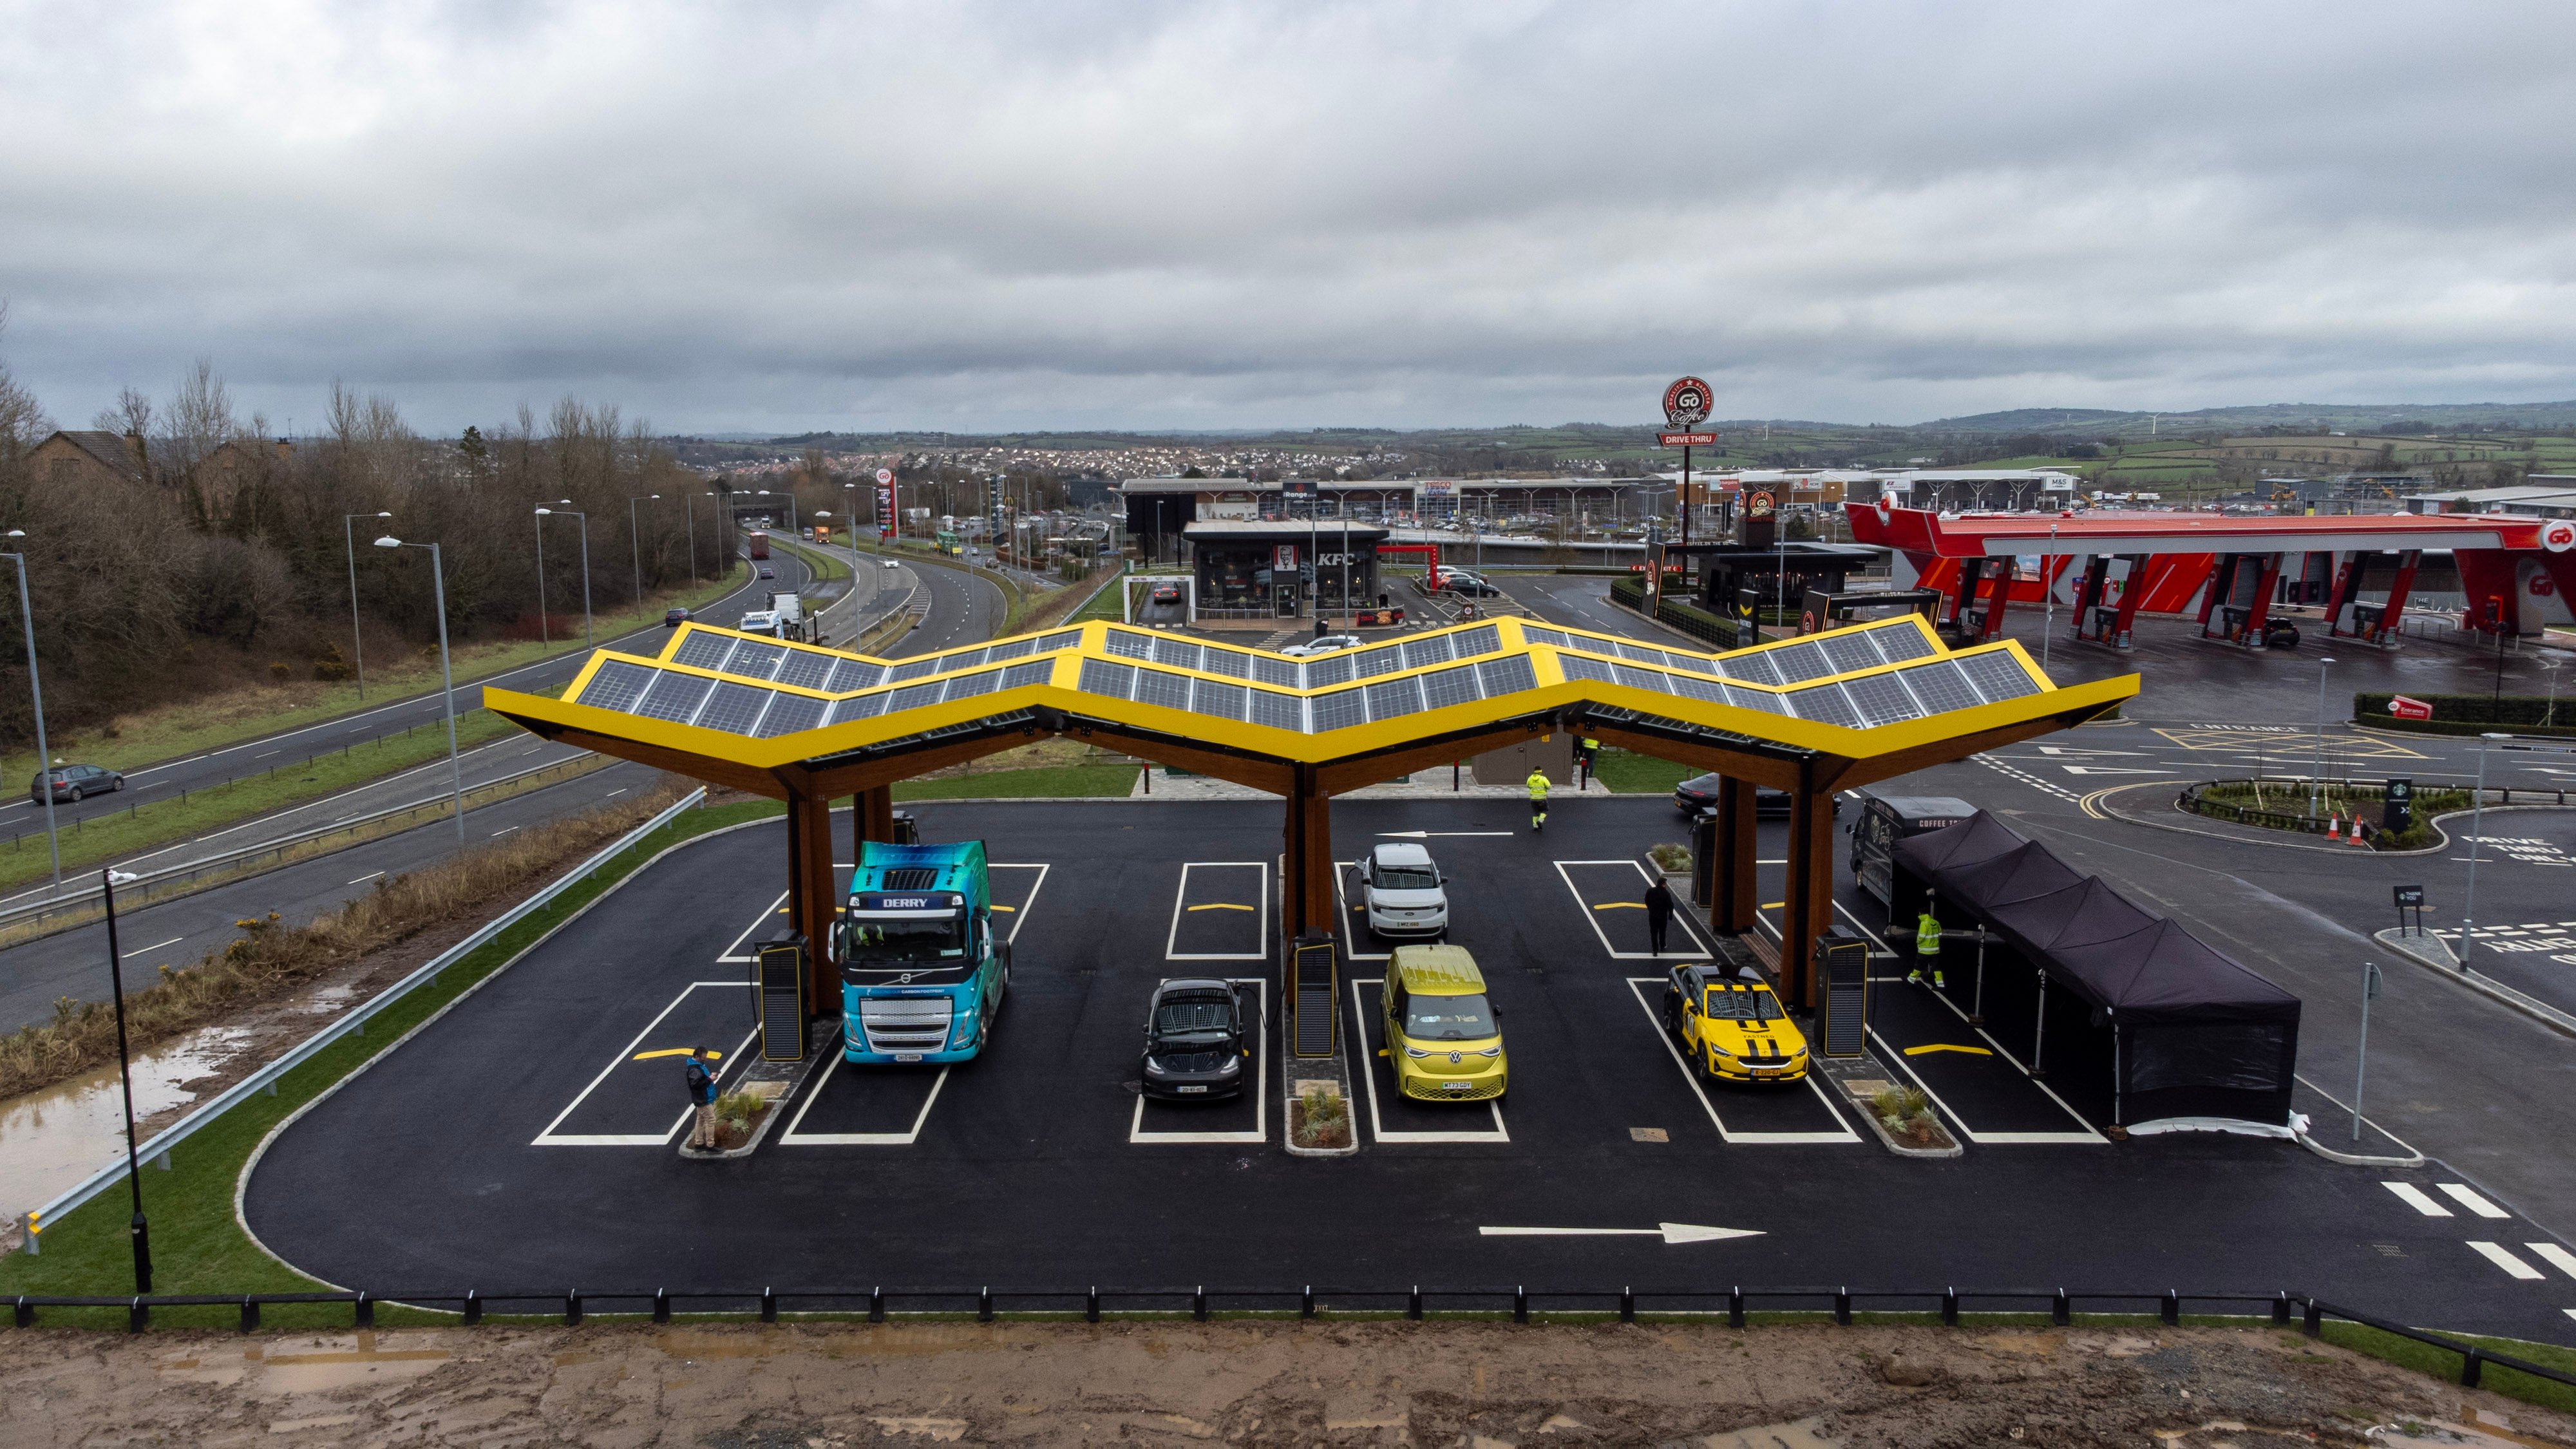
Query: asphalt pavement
pixel 489 1149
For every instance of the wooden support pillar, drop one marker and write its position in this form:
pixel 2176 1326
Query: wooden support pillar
pixel 810 906
pixel 1734 887
pixel 1306 867
pixel 874 814
pixel 1808 906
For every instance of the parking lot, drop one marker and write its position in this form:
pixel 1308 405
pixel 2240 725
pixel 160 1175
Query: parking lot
pixel 518 1137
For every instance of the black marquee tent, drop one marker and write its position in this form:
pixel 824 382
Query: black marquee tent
pixel 2195 1033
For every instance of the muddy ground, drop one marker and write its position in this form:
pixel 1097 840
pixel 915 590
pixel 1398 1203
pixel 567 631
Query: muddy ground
pixel 1479 1386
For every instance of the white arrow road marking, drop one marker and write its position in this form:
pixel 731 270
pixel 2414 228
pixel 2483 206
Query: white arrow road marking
pixel 2067 750
pixel 2087 770
pixel 1437 834
pixel 1671 1233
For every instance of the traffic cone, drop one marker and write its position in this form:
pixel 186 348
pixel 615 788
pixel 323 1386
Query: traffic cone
pixel 2334 827
pixel 2354 836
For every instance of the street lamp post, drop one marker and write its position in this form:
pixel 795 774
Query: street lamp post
pixel 36 691
pixel 635 542
pixel 2551 660
pixel 2317 777
pixel 691 514
pixel 438 588
pixel 357 637
pixel 542 515
pixel 139 1230
pixel 2048 593
pixel 2477 832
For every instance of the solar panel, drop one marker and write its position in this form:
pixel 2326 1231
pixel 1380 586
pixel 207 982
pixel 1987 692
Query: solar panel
pixel 1998 676
pixel 1880 699
pixel 1099 676
pixel 755 660
pixel 1639 654
pixel 951 663
pixel 1764 700
pixel 913 696
pixel 1278 711
pixel 734 708
pixel 1389 698
pixel 1232 663
pixel 1900 640
pixel 912 669
pixel 1444 687
pixel 805 668
pixel 1036 671
pixel 1576 666
pixel 1061 639
pixel 861 706
pixel 1179 653
pixel 1635 678
pixel 1433 650
pixel 1753 665
pixel 1800 661
pixel 967 686
pixel 1158 686
pixel 1824 704
pixel 617 685
pixel 1275 671
pixel 849 674
pixel 1695 663
pixel 702 650
pixel 1222 701
pixel 1333 670
pixel 1129 645
pixel 1483 639
pixel 674 696
pixel 1013 650
pixel 1850 652
pixel 1940 686
pixel 789 713
pixel 1371 663
pixel 1544 636
pixel 1339 710
pixel 1694 687
pixel 1506 676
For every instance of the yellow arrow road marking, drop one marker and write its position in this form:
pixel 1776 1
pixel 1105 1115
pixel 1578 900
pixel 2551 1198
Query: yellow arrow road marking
pixel 1974 1051
pixel 1221 906
pixel 1000 907
pixel 1620 906
pixel 671 1052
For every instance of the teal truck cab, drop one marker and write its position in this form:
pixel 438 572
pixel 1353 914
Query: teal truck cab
pixel 922 973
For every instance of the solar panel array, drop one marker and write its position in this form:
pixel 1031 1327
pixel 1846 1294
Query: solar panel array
pixel 1860 678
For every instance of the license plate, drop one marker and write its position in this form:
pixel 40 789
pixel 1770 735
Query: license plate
pixel 907 1056
pixel 1186 1090
pixel 1458 1086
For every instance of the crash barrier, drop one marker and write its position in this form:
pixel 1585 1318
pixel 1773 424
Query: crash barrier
pixel 1309 1301
pixel 353 1022
pixel 2193 800
pixel 179 880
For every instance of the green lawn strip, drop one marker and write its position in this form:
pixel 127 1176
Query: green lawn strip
pixel 187 730
pixel 1629 774
pixel 197 1246
pixel 2445 1365
pixel 824 565
pixel 1108 604
pixel 162 821
pixel 1055 782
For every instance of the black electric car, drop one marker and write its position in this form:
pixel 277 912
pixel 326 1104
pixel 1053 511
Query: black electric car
pixel 1195 1043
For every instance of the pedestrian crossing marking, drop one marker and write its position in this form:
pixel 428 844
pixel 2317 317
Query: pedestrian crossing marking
pixel 2495 1253
pixel 2555 1256
pixel 2458 1192
pixel 2413 1196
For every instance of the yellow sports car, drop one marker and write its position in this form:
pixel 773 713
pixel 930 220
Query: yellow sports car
pixel 1735 1030
pixel 1441 1034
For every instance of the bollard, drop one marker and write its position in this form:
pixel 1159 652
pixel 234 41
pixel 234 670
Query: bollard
pixel 2472 1368
pixel 138 1315
pixel 473 1308
pixel 22 1312
pixel 1413 1304
pixel 1306 1302
pixel 876 1304
pixel 1735 1308
pixel 661 1305
pixel 1091 1305
pixel 2313 1322
pixel 2281 1310
pixel 1842 1305
pixel 366 1309
pixel 768 1305
pixel 250 1314
pixel 984 1305
pixel 2172 1313
pixel 572 1308
pixel 1627 1305
pixel 1198 1303
pixel 1520 1304
pixel 2060 1312
pixel 1949 1307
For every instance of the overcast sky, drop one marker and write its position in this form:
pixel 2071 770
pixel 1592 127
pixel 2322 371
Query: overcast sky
pixel 1133 215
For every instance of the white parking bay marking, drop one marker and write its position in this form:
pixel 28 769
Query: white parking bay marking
pixel 2555 1256
pixel 1377 1127
pixel 1260 913
pixel 2458 1192
pixel 1698 950
pixel 548 1138
pixel 1136 1133
pixel 733 953
pixel 1673 1234
pixel 1351 933
pixel 2413 1196
pixel 2495 1253
pixel 793 1138
pixel 1637 986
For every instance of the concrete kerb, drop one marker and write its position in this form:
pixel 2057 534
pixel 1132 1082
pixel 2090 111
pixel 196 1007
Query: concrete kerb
pixel 241 1184
pixel 2441 842
pixel 2435 955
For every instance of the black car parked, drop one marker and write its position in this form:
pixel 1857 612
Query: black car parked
pixel 1691 795
pixel 71 782
pixel 1194 1041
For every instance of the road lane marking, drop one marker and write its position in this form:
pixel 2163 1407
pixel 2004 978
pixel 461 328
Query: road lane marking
pixel 504 830
pixel 362 880
pixel 1673 1234
pixel 1221 906
pixel 155 946
pixel 2495 1254
pixel 2413 1196
pixel 2458 1192
pixel 2556 1257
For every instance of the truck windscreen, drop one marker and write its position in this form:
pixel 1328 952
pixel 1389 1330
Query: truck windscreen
pixel 904 940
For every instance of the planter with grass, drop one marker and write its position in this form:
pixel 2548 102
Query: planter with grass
pixel 1319 1121
pixel 1675 862
pixel 1903 1119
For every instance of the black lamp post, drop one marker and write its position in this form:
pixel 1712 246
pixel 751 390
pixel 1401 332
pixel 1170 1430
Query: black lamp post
pixel 142 1231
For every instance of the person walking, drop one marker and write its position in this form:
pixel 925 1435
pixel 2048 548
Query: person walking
pixel 1659 914
pixel 1584 749
pixel 1927 951
pixel 1538 799
pixel 702 1095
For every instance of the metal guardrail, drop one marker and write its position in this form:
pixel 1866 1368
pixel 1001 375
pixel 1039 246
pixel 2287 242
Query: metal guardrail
pixel 145 888
pixel 353 1021
pixel 1310 1301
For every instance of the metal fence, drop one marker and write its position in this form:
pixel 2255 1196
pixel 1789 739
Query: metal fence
pixel 2194 799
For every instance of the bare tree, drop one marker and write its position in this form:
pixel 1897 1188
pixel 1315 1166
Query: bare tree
pixel 132 414
pixel 23 423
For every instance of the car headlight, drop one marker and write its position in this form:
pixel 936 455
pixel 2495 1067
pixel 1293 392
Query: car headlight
pixel 1491 1051
pixel 1716 1054
pixel 1154 1068
pixel 1232 1064
pixel 1416 1053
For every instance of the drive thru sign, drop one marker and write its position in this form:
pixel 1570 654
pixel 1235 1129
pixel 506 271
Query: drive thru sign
pixel 2404 708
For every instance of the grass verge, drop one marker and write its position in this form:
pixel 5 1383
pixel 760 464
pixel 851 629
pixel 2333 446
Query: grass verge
pixel 1632 774
pixel 197 1247
pixel 1060 782
pixel 165 821
pixel 2424 1358
pixel 151 736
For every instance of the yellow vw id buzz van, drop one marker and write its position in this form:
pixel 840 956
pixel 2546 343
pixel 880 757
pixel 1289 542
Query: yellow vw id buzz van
pixel 1441 1033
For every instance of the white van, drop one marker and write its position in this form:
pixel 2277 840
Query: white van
pixel 1403 891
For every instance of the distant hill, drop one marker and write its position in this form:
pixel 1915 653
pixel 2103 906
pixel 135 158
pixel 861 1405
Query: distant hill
pixel 2091 423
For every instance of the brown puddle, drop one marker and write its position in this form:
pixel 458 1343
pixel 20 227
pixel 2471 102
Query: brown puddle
pixel 50 1140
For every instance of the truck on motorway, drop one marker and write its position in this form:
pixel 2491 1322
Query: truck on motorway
pixel 922 971
pixel 759 544
pixel 783 619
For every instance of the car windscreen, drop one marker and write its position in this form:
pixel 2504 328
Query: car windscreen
pixel 1205 1018
pixel 895 941
pixel 1407 878
pixel 1448 1018
pixel 1738 1003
